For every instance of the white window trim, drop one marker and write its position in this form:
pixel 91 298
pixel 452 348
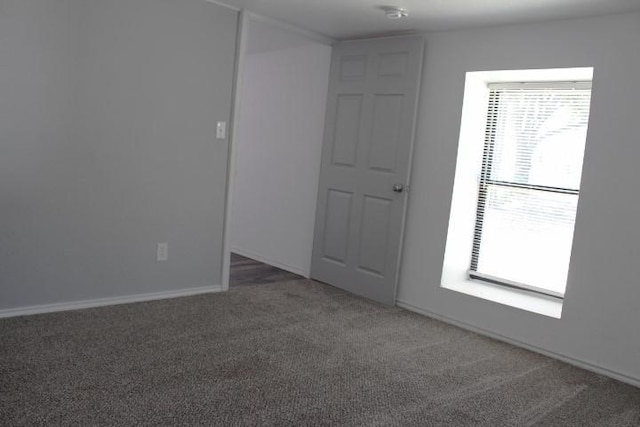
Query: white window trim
pixel 455 271
pixel 523 300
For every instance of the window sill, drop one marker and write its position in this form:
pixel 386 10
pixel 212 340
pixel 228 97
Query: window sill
pixel 528 301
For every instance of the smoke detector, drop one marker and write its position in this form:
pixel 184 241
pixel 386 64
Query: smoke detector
pixel 395 12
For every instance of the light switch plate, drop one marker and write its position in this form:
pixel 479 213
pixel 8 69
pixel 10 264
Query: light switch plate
pixel 221 130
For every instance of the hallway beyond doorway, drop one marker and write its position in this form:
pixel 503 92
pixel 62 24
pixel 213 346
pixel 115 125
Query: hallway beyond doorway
pixel 247 272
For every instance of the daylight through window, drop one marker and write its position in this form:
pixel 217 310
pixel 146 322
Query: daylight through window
pixel 529 185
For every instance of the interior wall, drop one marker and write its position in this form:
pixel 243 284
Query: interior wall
pixel 107 129
pixel 278 145
pixel 600 317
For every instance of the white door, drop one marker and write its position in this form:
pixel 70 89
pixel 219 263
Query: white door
pixel 368 141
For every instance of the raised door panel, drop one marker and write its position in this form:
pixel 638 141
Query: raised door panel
pixel 385 133
pixel 353 67
pixel 337 225
pixel 344 147
pixel 374 235
pixel 393 64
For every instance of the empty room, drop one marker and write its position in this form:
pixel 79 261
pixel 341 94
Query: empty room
pixel 291 213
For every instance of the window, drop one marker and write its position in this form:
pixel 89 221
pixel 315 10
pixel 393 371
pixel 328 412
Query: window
pixel 529 185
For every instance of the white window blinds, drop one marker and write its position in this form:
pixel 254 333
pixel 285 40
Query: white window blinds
pixel 529 185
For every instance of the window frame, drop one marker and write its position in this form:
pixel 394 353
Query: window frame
pixel 486 181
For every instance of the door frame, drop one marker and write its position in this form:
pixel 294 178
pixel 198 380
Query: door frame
pixel 241 48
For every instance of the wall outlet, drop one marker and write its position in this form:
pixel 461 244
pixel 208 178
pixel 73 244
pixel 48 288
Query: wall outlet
pixel 163 251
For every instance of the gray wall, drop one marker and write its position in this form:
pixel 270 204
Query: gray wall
pixel 285 80
pixel 107 126
pixel 601 311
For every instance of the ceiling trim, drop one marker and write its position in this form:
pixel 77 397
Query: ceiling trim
pixel 320 38
pixel 228 6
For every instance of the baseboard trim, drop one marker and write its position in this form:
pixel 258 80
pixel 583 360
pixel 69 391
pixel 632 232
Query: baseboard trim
pixel 567 359
pixel 101 302
pixel 281 266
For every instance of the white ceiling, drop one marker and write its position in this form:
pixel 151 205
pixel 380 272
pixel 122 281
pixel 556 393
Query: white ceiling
pixel 344 19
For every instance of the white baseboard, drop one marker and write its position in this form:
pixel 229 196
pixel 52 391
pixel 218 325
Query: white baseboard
pixel 101 302
pixel 266 260
pixel 567 359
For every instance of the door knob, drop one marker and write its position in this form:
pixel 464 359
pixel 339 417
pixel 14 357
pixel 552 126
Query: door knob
pixel 398 188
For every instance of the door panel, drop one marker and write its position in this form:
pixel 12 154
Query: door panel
pixel 371 113
pixel 353 67
pixel 347 129
pixel 338 217
pixel 393 64
pixel 385 135
pixel 373 238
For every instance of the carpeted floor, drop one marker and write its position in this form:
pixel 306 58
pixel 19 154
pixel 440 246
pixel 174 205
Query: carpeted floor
pixel 285 354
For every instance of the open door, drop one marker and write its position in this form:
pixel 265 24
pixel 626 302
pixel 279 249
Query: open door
pixel 368 142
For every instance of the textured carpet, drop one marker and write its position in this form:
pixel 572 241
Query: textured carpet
pixel 292 353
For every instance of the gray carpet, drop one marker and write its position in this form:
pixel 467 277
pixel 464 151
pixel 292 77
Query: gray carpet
pixel 291 353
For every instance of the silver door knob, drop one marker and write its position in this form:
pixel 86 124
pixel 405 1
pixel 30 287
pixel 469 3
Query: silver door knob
pixel 398 188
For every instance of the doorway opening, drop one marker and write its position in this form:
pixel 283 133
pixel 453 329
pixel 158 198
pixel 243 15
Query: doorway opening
pixel 281 92
pixel 245 271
